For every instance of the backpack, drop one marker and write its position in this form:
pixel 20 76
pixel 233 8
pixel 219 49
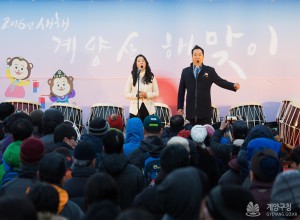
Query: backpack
pixel 151 167
pixel 9 175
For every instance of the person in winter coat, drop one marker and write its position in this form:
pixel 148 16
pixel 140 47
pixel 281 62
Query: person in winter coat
pixel 129 178
pixel 65 136
pixel 32 151
pixel 96 130
pixel 84 166
pixel 260 137
pixel 238 131
pixel 264 168
pixel 181 192
pixel 152 143
pixel 134 135
pixel 51 118
pixel 173 156
pixel 52 170
pixel 21 130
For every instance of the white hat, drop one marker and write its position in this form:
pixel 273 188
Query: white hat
pixel 198 134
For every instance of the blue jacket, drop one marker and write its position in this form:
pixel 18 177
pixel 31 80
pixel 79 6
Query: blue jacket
pixel 134 135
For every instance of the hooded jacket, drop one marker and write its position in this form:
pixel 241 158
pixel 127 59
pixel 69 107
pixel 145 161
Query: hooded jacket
pixel 134 135
pixel 152 144
pixel 128 177
pixel 75 185
pixel 67 208
pixel 19 185
pixel 11 158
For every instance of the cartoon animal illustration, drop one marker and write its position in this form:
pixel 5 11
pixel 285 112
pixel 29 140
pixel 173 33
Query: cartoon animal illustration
pixel 19 69
pixel 61 87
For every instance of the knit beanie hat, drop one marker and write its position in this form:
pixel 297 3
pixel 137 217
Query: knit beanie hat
pixel 265 165
pixel 98 127
pixel 286 189
pixel 198 134
pixel 32 150
pixel 221 205
pixel 84 151
pixel 12 154
pixel 179 140
pixel 152 123
pixel 115 121
pixel 210 130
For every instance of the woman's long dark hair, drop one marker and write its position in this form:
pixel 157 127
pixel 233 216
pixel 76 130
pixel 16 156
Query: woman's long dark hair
pixel 148 74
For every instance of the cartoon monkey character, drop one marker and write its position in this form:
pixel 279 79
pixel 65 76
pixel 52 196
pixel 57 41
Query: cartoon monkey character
pixel 18 71
pixel 61 87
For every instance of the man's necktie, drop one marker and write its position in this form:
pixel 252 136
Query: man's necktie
pixel 196 71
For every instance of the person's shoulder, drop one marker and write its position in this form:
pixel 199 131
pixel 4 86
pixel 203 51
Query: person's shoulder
pixel 132 169
pixel 134 153
pixel 208 68
pixel 186 69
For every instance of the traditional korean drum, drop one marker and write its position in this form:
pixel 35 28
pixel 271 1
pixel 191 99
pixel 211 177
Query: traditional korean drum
pixel 251 113
pixel 24 105
pixel 291 125
pixel 105 110
pixel 71 113
pixel 280 115
pixel 163 112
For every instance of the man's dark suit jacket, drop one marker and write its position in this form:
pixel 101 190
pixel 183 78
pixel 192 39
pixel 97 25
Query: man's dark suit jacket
pixel 205 79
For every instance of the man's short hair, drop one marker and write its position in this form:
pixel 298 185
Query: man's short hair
pixel 177 123
pixel 64 130
pixel 6 109
pixel 21 129
pixel 10 120
pixel 197 47
pixel 113 142
pixel 52 168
